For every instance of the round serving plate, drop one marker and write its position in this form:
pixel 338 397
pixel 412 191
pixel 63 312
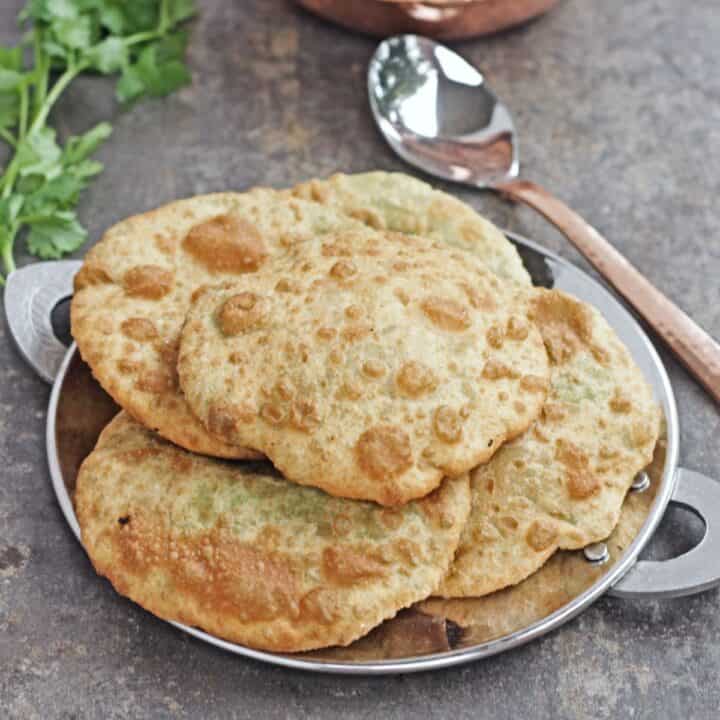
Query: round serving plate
pixel 79 409
pixel 444 19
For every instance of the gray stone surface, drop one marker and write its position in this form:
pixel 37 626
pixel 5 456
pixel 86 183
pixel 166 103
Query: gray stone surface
pixel 618 106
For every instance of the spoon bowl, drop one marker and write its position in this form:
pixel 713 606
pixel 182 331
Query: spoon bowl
pixel 437 112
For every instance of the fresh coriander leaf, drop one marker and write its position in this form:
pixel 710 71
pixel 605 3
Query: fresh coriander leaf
pixel 61 193
pixel 42 182
pixel 75 33
pixel 54 236
pixel 11 58
pixel 39 154
pixel 148 59
pixel 58 184
pixel 130 85
pixel 127 17
pixel 80 147
pixel 10 209
pixel 170 77
pixel 171 47
pixel 158 75
pixel 10 79
pixel 87 169
pixel 89 5
pixel 49 10
pixel 9 109
pixel 141 15
pixel 180 10
pixel 11 75
pixel 109 56
pixel 14 205
pixel 158 70
pixel 112 18
pixel 55 50
pixel 27 184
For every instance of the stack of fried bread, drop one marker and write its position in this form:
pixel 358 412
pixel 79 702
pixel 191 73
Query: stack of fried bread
pixel 339 401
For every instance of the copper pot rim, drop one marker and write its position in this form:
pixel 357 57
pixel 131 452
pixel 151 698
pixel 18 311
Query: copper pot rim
pixel 441 19
pixel 436 3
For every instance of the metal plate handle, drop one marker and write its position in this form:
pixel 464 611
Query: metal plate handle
pixel 695 571
pixel 31 294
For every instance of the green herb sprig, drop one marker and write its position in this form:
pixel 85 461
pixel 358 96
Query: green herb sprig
pixel 141 42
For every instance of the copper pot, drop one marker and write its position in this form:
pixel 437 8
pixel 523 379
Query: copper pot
pixel 446 19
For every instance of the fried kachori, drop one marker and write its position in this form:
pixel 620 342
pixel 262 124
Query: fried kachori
pixel 369 367
pixel 238 551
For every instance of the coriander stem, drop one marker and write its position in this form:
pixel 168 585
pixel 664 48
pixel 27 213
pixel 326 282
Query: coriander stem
pixel 141 37
pixel 24 108
pixel 7 257
pixel 42 71
pixel 8 180
pixel 30 219
pixel 11 172
pixel 164 20
pixel 8 137
pixel 62 82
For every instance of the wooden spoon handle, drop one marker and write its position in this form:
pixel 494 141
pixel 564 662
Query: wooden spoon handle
pixel 697 350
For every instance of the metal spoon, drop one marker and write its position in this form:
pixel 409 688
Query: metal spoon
pixel 438 114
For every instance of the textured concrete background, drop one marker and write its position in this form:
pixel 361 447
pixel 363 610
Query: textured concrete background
pixel 618 107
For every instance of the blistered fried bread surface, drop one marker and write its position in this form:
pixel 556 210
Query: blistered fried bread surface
pixel 399 202
pixel 134 289
pixel 370 366
pixel 562 484
pixel 564 577
pixel 236 550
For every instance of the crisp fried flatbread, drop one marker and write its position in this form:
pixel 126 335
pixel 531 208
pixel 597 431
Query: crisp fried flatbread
pixel 370 366
pixel 238 551
pixel 562 484
pixel 395 201
pixel 563 578
pixel 133 291
pixel 439 625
